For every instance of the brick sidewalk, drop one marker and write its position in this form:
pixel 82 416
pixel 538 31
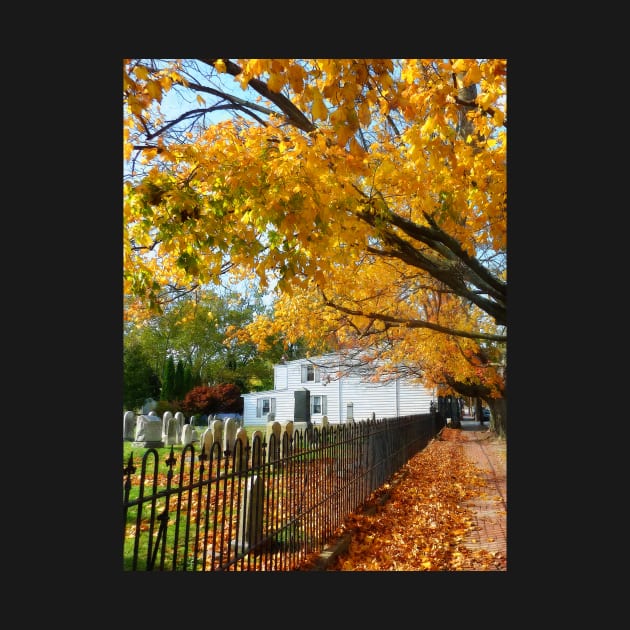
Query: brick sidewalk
pixel 489 510
pixel 489 454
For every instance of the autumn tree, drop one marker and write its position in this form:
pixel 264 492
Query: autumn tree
pixel 195 329
pixel 370 194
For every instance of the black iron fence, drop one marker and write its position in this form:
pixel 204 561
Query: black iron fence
pixel 264 506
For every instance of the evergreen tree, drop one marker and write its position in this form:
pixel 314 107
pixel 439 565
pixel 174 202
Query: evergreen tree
pixel 139 379
pixel 168 383
pixel 188 378
pixel 179 390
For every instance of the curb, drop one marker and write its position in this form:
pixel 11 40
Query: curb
pixel 331 551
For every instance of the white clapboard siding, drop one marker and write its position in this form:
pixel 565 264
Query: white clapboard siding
pixel 398 397
pixel 413 398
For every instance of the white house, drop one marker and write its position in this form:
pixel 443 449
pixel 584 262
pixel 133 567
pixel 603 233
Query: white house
pixel 335 390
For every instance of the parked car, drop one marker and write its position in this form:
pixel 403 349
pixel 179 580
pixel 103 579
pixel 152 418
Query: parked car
pixel 485 415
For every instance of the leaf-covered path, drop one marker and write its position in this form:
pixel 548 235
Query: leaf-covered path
pixel 445 510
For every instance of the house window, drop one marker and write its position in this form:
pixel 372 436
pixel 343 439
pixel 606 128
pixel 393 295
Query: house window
pixel 265 406
pixel 310 373
pixel 319 405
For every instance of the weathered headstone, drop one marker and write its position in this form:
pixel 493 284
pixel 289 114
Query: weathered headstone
pixel 171 432
pixel 186 435
pixel 322 432
pixel 250 527
pixel 229 435
pixel 217 430
pixel 240 450
pixel 206 441
pixel 165 418
pixel 129 425
pixel 181 421
pixel 257 451
pixel 148 432
pixel 286 444
pixel 273 432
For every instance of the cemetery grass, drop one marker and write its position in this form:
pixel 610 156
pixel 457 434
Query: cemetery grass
pixel 176 553
pixel 163 453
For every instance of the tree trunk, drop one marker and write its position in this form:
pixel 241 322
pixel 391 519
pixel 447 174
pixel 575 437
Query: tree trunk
pixel 498 416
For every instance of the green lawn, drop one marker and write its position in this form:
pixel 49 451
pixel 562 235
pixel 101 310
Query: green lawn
pixel 162 455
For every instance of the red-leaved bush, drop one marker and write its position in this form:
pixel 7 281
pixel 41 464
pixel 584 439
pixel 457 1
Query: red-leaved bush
pixel 205 399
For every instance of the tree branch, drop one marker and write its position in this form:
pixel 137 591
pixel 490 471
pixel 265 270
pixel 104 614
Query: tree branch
pixel 392 321
pixel 293 114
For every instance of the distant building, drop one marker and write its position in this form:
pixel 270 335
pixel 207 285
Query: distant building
pixel 334 389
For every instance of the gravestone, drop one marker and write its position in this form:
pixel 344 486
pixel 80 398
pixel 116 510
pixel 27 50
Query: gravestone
pixel 240 450
pixel 186 435
pixel 250 528
pixel 171 433
pixel 206 441
pixel 217 431
pixel 273 432
pixel 181 421
pixel 165 418
pixel 229 435
pixel 286 443
pixel 129 426
pixel 148 432
pixel 323 431
pixel 257 456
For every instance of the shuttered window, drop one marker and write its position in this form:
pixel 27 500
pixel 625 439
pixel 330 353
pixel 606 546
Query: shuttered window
pixel 265 406
pixel 310 373
pixel 319 405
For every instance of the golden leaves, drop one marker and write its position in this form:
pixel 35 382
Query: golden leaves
pixel 319 111
pixel 296 75
pixel 279 201
pixel 275 82
pixel 154 88
pixel 142 72
pixel 419 524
